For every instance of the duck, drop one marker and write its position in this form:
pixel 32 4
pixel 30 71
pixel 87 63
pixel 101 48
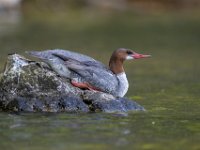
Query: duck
pixel 87 73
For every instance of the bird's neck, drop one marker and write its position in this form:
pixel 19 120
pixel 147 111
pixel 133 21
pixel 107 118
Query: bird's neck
pixel 116 66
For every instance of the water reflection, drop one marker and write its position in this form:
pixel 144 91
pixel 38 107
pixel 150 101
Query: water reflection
pixel 94 130
pixel 16 121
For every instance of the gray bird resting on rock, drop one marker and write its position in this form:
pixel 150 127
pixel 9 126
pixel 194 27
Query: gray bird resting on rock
pixel 86 72
pixel 31 86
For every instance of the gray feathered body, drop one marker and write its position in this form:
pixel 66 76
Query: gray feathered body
pixel 82 68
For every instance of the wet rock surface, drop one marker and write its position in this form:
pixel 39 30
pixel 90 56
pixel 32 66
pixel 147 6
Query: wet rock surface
pixel 31 86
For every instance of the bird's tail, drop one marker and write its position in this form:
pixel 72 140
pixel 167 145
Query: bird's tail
pixel 33 53
pixel 36 54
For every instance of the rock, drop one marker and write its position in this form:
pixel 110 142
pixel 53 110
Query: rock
pixel 99 101
pixel 31 86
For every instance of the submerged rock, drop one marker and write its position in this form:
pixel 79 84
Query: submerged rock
pixel 31 86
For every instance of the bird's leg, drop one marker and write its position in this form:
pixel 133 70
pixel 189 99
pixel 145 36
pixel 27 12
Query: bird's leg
pixel 83 85
pixel 91 88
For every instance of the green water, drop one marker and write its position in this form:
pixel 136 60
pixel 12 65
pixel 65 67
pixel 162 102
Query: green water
pixel 167 85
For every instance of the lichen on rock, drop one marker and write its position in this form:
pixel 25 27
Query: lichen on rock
pixel 31 86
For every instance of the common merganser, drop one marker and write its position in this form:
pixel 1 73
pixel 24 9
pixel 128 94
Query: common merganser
pixel 86 72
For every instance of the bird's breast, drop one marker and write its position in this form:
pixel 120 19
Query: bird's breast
pixel 123 84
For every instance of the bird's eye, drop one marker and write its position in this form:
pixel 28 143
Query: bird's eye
pixel 129 52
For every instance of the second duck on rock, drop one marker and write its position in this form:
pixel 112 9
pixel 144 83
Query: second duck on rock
pixel 88 73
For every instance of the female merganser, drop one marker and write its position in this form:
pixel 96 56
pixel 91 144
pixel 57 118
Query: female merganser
pixel 86 72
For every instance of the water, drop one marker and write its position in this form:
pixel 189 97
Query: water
pixel 167 84
pixel 100 131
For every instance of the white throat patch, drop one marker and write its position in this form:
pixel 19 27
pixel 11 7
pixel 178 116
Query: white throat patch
pixel 129 57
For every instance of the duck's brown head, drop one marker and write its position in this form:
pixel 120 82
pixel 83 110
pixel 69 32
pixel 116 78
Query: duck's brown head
pixel 120 55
